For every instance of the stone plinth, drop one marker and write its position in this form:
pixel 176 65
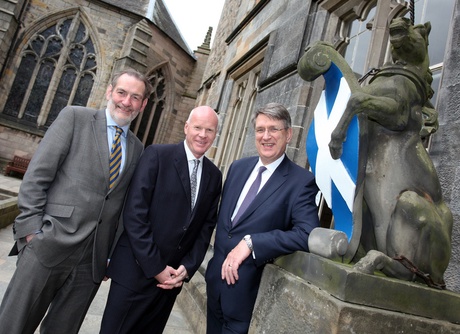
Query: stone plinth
pixel 304 293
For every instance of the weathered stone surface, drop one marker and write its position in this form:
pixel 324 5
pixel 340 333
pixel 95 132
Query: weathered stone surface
pixel 329 299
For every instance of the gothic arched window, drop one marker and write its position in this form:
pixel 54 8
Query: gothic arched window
pixel 57 68
pixel 148 122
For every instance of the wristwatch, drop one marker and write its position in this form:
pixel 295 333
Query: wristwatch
pixel 248 240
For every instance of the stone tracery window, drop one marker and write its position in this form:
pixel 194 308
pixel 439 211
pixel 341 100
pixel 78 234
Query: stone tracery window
pixel 147 123
pixel 57 68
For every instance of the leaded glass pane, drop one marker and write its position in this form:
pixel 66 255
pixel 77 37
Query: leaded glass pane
pixel 81 33
pixel 76 55
pixel 48 32
pixel 62 94
pixel 145 116
pixel 90 62
pixel 37 45
pixel 65 27
pixel 156 120
pixel 54 46
pixel 89 46
pixel 83 90
pixel 42 82
pixel 19 88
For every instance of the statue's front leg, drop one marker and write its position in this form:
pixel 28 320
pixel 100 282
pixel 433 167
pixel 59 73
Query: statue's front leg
pixel 355 105
pixel 339 134
pixel 336 143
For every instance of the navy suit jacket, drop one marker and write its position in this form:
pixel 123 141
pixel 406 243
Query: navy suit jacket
pixel 159 226
pixel 279 221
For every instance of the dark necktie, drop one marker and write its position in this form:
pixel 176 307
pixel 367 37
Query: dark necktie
pixel 250 195
pixel 193 181
pixel 115 157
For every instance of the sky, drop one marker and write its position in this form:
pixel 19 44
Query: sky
pixel 194 17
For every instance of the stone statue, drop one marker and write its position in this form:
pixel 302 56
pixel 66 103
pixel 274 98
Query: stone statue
pixel 405 226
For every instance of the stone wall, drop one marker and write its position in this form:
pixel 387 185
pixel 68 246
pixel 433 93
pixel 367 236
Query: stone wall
pixel 16 142
pixel 445 149
pixel 10 12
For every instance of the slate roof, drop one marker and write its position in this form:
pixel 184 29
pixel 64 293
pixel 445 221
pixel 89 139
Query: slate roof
pixel 156 12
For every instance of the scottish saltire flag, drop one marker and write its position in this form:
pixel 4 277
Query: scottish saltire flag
pixel 337 179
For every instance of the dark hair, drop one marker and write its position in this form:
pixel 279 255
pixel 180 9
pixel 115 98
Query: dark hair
pixel 133 73
pixel 273 111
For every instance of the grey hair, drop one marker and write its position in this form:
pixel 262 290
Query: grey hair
pixel 273 111
pixel 139 76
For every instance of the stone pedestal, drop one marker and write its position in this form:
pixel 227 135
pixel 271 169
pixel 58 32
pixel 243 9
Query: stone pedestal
pixel 305 293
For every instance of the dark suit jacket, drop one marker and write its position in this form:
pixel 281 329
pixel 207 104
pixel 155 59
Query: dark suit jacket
pixel 65 191
pixel 279 221
pixel 160 228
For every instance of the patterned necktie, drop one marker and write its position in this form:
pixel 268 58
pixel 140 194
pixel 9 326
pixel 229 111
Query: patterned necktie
pixel 115 157
pixel 250 195
pixel 193 181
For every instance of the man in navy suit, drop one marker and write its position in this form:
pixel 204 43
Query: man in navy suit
pixel 277 222
pixel 167 229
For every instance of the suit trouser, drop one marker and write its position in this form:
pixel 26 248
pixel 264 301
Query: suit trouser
pixel 129 312
pixel 217 322
pixel 67 289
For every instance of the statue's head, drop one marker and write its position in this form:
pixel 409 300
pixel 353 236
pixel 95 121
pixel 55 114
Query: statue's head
pixel 409 43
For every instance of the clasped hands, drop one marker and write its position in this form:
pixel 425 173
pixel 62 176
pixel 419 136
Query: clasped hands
pixel 233 262
pixel 171 278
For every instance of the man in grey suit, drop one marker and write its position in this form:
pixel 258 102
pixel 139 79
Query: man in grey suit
pixel 69 207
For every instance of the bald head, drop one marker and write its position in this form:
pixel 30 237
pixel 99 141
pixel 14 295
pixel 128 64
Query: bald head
pixel 201 129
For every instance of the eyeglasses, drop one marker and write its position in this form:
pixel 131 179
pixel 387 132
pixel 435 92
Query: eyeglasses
pixel 271 130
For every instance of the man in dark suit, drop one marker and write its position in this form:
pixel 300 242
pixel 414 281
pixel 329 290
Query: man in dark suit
pixel 168 225
pixel 69 211
pixel 277 221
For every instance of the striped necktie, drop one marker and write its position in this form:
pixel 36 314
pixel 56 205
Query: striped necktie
pixel 193 181
pixel 115 157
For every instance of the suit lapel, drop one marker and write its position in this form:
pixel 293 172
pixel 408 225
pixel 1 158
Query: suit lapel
pixel 236 185
pixel 205 177
pixel 100 139
pixel 181 164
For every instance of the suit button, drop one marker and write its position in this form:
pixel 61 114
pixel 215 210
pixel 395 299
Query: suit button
pixel 230 236
pixel 184 228
pixel 107 197
pixel 179 248
pixel 99 222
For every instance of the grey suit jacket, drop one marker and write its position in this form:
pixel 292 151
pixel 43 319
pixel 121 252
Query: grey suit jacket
pixel 65 191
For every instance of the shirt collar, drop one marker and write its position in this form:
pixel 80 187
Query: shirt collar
pixel 272 166
pixel 112 123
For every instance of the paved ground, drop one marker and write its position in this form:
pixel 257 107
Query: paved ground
pixel 177 323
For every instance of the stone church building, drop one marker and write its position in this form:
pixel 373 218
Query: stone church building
pixel 55 53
